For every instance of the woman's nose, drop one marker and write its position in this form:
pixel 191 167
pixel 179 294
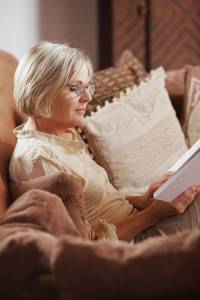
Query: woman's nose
pixel 86 97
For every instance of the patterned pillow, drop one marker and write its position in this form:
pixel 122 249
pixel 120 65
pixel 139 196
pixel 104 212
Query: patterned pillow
pixel 191 124
pixel 137 137
pixel 111 81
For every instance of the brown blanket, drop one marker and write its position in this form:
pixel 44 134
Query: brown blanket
pixel 41 257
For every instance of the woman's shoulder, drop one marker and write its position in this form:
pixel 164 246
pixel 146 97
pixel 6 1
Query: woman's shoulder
pixel 28 155
pixel 28 159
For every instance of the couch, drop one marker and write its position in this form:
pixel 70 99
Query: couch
pixel 43 254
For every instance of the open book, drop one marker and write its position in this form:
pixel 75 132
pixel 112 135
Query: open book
pixel 187 173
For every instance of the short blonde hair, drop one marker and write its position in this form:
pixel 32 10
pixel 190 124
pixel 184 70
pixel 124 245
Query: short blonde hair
pixel 42 72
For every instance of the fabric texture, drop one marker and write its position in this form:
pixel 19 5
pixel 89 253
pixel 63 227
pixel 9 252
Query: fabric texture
pixel 68 188
pixel 111 81
pixel 25 264
pixel 160 268
pixel 176 85
pixel 28 233
pixel 137 137
pixel 50 265
pixel 175 82
pixel 35 208
pixel 191 124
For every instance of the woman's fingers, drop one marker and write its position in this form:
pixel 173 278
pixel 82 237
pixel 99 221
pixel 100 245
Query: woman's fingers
pixel 162 180
pixel 155 185
pixel 163 209
pixel 192 191
pixel 186 198
pixel 166 176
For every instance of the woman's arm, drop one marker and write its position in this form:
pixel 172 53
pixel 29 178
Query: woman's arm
pixel 156 212
pixel 135 224
pixel 140 202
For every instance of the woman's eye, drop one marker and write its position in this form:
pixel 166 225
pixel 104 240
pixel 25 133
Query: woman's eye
pixel 72 89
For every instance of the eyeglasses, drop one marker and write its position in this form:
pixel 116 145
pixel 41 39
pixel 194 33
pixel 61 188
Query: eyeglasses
pixel 80 89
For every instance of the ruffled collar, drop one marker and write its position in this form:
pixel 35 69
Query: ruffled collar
pixel 68 138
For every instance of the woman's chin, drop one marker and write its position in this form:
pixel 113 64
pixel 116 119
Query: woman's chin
pixel 80 122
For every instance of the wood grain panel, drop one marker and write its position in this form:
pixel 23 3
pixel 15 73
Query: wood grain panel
pixel 128 28
pixel 175 33
pixel 158 32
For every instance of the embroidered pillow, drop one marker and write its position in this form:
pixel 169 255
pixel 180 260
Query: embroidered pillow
pixel 137 137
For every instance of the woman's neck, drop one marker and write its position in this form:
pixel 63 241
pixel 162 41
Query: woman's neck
pixel 46 125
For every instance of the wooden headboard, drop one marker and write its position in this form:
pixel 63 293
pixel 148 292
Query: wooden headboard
pixel 9 118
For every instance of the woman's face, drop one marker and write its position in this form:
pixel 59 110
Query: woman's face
pixel 68 108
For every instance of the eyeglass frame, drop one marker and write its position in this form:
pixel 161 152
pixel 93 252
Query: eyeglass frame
pixel 85 86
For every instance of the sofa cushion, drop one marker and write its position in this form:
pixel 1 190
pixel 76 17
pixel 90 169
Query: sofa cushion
pixel 191 124
pixel 68 188
pixel 28 234
pixel 159 268
pixel 8 121
pixel 36 265
pixel 40 210
pixel 176 86
pixel 25 264
pixel 137 137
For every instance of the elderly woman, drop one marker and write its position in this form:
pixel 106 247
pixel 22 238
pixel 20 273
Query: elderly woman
pixel 52 86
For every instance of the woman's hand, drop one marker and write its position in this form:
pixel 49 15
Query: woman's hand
pixel 155 185
pixel 163 209
pixel 156 211
pixel 145 200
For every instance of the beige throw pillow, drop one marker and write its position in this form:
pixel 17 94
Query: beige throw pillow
pixel 137 137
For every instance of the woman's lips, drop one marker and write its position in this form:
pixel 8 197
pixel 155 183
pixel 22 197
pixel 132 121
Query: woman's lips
pixel 80 111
